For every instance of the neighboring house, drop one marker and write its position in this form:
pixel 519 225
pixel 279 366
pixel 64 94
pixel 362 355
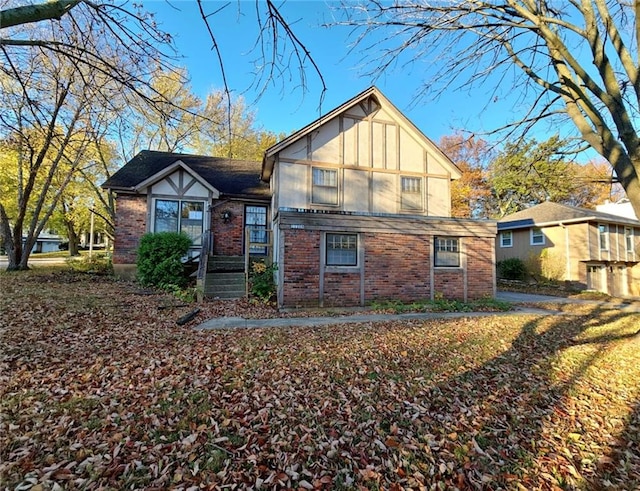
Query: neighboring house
pixel 594 250
pixel 354 207
pixel 622 208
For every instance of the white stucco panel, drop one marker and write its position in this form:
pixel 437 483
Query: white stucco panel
pixel 325 142
pixel 296 151
pixel 385 193
pixel 364 144
pixel 411 153
pixel 435 165
pixel 378 145
pixel 180 183
pixel 349 141
pixel 293 184
pixel 438 197
pixel 356 190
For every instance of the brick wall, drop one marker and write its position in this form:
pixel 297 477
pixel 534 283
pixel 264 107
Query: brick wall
pixel 480 267
pixel 449 283
pixel 301 268
pixel 228 237
pixel 396 267
pixel 341 289
pixel 131 224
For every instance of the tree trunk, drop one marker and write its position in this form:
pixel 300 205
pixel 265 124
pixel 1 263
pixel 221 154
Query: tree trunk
pixel 73 238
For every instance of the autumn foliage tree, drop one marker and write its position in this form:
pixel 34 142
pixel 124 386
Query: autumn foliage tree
pixel 469 193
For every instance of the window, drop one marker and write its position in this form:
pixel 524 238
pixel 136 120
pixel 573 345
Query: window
pixel 342 249
pixel 255 219
pixel 506 239
pixel 537 237
pixel 324 187
pixel 628 240
pixel 447 252
pixel 411 193
pixel 603 236
pixel 180 216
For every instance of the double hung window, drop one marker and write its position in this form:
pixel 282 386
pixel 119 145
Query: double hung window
pixel 411 193
pixel 341 249
pixel 324 189
pixel 537 237
pixel 506 238
pixel 447 252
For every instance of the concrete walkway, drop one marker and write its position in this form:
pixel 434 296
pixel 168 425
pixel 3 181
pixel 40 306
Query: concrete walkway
pixel 363 317
pixel 236 322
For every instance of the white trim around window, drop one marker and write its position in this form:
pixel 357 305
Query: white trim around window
pixel 537 237
pixel 506 238
pixel 603 236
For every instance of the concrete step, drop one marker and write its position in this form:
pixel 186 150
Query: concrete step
pixel 225 285
pixel 226 263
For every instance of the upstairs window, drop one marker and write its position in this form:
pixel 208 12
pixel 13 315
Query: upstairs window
pixel 506 238
pixel 342 250
pixel 411 193
pixel 324 189
pixel 628 240
pixel 447 252
pixel 537 237
pixel 603 236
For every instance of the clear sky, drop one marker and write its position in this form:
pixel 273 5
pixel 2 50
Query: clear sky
pixel 283 107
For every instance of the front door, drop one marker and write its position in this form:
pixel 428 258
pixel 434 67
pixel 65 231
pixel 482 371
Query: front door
pixel 256 223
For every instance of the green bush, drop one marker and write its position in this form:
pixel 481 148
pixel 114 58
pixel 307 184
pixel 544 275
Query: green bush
pixel 261 282
pixel 96 264
pixel 512 269
pixel 160 259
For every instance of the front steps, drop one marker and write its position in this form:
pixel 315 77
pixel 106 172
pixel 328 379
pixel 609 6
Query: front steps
pixel 225 277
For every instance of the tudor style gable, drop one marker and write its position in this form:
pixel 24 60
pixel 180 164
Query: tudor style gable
pixel 364 156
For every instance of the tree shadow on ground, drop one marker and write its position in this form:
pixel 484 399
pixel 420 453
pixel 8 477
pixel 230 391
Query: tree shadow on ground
pixel 523 416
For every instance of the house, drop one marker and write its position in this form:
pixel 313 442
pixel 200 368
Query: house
pixel 594 250
pixel 354 207
pixel 622 208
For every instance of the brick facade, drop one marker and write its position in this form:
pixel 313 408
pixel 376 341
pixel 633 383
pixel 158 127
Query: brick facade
pixel 228 236
pixel 301 268
pixel 396 266
pixel 131 224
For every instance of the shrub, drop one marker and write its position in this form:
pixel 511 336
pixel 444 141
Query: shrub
pixel 96 264
pixel 261 282
pixel 160 259
pixel 512 269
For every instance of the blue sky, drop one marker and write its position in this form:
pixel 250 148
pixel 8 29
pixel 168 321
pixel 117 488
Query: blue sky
pixel 283 107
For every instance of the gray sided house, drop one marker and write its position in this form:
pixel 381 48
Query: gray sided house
pixel 354 207
pixel 588 248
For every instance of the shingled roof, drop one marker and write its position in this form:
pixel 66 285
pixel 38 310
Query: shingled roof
pixel 549 213
pixel 239 178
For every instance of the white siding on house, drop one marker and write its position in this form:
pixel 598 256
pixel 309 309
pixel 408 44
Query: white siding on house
pixel 178 184
pixel 325 144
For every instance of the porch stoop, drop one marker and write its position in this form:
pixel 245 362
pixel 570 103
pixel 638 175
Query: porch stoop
pixel 225 277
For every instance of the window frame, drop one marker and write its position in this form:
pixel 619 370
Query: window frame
pixel 419 193
pixel 603 233
pixel 355 248
pixel 502 237
pixel 628 240
pixel 196 241
pixel 448 242
pixel 324 187
pixel 533 235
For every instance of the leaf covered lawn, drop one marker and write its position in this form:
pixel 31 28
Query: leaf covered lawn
pixel 100 389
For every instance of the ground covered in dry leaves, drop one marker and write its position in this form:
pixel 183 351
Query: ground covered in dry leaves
pixel 99 388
